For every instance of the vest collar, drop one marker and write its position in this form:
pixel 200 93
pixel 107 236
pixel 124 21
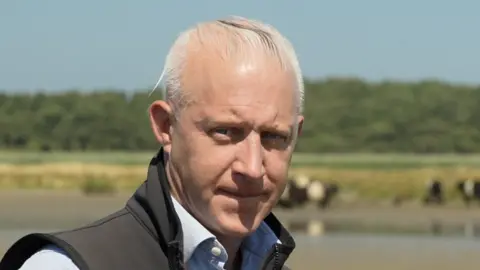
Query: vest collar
pixel 152 205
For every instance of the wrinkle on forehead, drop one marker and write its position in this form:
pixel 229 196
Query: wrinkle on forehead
pixel 258 115
pixel 248 115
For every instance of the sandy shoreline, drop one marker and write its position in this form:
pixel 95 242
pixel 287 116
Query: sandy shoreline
pixel 24 211
pixel 35 205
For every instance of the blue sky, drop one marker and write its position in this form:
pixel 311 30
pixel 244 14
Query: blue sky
pixel 62 44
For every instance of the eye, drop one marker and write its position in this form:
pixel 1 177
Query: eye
pixel 223 131
pixel 275 140
pixel 272 136
pixel 226 133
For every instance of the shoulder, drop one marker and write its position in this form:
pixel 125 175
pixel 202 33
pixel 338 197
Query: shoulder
pixel 50 257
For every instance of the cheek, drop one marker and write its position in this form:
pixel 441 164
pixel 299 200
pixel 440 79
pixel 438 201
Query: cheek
pixel 207 163
pixel 276 166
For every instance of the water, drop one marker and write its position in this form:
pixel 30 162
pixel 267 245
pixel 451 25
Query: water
pixel 393 252
pixel 469 229
pixel 394 239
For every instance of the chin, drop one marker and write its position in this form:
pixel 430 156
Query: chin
pixel 237 225
pixel 238 218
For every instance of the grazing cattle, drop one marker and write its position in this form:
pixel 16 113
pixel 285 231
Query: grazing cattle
pixel 295 193
pixel 470 190
pixel 321 194
pixel 434 192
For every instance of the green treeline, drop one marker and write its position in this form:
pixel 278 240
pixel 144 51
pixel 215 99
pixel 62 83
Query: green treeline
pixel 342 115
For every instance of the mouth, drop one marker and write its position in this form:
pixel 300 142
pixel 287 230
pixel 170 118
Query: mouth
pixel 241 195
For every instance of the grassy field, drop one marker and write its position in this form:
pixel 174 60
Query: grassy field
pixel 360 176
pixel 353 161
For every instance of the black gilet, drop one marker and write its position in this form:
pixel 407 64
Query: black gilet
pixel 145 235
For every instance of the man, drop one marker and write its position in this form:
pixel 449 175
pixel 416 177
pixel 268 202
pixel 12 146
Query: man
pixel 228 127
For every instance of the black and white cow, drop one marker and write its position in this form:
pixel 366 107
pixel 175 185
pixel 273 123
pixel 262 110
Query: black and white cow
pixel 295 193
pixel 321 194
pixel 469 189
pixel 434 192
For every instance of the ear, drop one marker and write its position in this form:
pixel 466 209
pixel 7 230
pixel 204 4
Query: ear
pixel 160 120
pixel 300 124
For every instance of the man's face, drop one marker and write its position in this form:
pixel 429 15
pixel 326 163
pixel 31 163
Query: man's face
pixel 232 146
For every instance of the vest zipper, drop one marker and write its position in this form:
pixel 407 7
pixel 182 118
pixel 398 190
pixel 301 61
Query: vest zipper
pixel 274 255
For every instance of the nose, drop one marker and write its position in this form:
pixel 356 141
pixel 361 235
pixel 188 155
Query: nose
pixel 250 158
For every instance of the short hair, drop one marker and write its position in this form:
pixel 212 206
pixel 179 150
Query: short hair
pixel 243 34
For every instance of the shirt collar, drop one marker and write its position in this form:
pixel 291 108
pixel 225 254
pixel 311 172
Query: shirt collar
pixel 195 233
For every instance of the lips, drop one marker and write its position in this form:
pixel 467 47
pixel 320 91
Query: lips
pixel 241 194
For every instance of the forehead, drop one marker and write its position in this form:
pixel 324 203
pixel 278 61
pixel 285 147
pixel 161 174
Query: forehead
pixel 258 89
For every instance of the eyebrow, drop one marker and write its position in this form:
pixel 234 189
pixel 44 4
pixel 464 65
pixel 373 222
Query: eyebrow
pixel 209 122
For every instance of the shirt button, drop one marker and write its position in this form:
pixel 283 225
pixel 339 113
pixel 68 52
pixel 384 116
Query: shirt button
pixel 216 251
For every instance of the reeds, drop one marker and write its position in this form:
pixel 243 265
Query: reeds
pixel 359 183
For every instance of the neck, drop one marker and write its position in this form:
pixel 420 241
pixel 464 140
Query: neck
pixel 175 188
pixel 231 244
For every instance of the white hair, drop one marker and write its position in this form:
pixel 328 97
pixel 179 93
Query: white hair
pixel 242 35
